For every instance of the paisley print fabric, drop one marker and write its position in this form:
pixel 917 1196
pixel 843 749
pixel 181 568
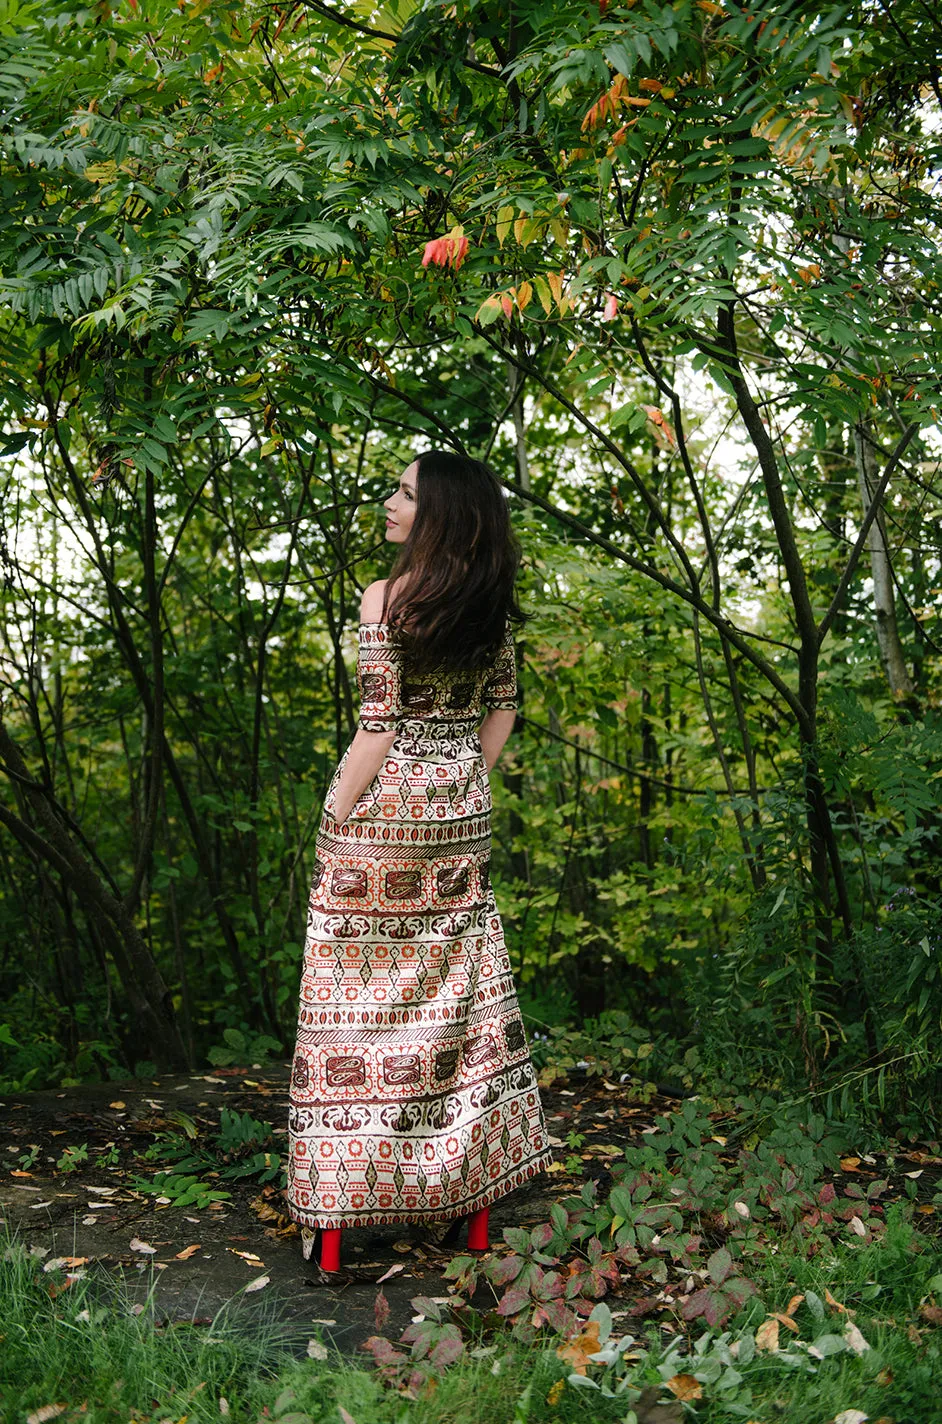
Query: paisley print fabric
pixel 413 1097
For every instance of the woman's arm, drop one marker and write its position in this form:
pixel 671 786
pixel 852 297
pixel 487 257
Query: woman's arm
pixel 367 753
pixel 495 729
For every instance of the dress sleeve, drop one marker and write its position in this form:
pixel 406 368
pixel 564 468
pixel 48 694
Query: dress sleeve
pixel 500 689
pixel 378 680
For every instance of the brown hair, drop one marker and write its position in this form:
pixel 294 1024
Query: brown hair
pixel 461 558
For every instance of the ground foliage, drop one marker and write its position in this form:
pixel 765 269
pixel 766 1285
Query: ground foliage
pixel 732 1263
pixel 676 273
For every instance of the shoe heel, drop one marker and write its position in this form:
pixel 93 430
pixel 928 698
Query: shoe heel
pixel 330 1248
pixel 477 1230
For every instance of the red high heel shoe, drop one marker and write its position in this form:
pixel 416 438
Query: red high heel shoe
pixel 477 1230
pixel 330 1248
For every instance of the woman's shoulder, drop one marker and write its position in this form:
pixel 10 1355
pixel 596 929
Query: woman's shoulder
pixel 371 603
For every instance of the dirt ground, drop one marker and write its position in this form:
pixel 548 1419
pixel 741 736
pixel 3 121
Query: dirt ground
pixel 67 1202
pixel 93 1212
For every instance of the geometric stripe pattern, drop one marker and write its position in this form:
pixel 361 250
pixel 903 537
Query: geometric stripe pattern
pixel 413 1097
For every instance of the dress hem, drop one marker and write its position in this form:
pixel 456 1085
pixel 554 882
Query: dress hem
pixel 313 1220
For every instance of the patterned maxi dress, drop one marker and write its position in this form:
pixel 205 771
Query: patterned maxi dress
pixel 413 1097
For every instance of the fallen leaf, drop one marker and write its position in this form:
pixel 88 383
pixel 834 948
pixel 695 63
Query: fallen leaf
pixel 15 1172
pixel 403 1247
pixel 578 1350
pixel 258 1284
pixel 248 1256
pixel 556 1393
pixel 793 1304
pixel 913 1175
pixel 834 1304
pixel 319 1320
pixel 119 1105
pixel 742 1209
pixel 849 1164
pixel 857 1226
pixel 767 1335
pixel 786 1320
pixel 851 1416
pixel 885 1376
pixel 393 1271
pixel 931 1313
pixel 48 1411
pixel 188 1251
pixel 855 1341
pixel 684 1387
pixel 380 1311
pixel 34 1206
pixel 316 1350
pixel 102 1191
pixel 223 1405
pixel 138 1245
pixel 217 1206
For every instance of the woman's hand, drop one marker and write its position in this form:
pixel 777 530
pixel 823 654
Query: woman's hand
pixel 367 752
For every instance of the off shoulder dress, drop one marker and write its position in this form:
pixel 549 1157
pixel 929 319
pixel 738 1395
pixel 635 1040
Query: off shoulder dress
pixel 413 1097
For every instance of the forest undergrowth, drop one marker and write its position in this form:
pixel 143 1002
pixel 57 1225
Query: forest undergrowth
pixel 734 1264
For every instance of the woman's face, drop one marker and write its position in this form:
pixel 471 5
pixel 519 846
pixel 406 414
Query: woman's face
pixel 400 506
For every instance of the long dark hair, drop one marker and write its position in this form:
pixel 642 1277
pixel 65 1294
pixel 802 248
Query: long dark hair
pixel 461 558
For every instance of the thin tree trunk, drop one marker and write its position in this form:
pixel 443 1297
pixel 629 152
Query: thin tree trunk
pixel 884 602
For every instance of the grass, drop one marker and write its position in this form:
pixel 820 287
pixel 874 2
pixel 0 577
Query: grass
pixel 83 1348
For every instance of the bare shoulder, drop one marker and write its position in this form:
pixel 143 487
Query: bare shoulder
pixel 371 604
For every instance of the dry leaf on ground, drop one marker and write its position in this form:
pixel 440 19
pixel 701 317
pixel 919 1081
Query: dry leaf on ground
pixel 258 1284
pixel 316 1350
pixel 767 1335
pixel 138 1245
pixel 577 1351
pixel 393 1271
pixel 48 1411
pixel 851 1416
pixel 188 1251
pixel 855 1341
pixel 684 1387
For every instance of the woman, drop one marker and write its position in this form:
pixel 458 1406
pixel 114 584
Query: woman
pixel 413 1097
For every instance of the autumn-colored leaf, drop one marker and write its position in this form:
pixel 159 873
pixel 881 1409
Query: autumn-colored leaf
pixel 48 1411
pixel 793 1304
pixel 786 1320
pixel 188 1251
pixel 834 1304
pixel 850 1164
pixel 258 1284
pixel 663 433
pixel 556 1393
pixel 380 1310
pixel 855 1341
pixel 685 1387
pixel 448 251
pixel 15 1172
pixel 577 1351
pixel 767 1335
